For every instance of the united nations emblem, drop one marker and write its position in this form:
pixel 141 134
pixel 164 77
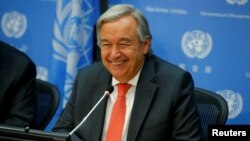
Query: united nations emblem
pixel 14 24
pixel 239 2
pixel 196 44
pixel 234 102
pixel 72 31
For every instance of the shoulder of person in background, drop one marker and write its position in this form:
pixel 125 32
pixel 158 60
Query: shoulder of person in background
pixel 17 82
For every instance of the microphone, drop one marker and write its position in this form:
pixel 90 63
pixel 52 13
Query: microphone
pixel 107 92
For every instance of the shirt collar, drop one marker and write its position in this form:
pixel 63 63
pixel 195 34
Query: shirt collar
pixel 132 81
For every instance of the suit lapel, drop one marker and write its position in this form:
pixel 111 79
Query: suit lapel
pixel 98 120
pixel 144 95
pixel 99 113
pixel 143 99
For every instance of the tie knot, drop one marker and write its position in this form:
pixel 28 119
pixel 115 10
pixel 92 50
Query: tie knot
pixel 123 88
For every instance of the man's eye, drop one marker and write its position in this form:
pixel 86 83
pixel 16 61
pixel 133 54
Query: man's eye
pixel 124 44
pixel 105 45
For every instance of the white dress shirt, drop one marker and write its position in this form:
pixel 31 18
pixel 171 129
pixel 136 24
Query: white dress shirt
pixel 129 104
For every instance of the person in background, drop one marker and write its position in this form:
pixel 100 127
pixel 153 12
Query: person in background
pixel 17 87
pixel 159 103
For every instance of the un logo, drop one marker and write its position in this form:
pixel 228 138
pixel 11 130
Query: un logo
pixel 14 24
pixel 196 44
pixel 239 2
pixel 234 102
pixel 72 30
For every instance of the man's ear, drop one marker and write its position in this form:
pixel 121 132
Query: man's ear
pixel 146 45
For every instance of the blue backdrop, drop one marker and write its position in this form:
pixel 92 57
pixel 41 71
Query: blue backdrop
pixel 208 38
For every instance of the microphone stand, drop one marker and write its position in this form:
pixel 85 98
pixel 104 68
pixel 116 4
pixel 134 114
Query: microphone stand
pixel 86 117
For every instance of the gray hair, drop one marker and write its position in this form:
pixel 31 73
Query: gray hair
pixel 119 10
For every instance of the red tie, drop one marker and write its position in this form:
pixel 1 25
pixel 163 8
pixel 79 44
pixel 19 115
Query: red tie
pixel 117 119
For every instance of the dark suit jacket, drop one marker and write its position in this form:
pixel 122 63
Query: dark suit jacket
pixel 164 107
pixel 17 87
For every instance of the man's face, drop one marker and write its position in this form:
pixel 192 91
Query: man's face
pixel 122 52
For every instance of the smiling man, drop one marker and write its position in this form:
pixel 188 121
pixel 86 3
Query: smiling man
pixel 122 51
pixel 152 99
